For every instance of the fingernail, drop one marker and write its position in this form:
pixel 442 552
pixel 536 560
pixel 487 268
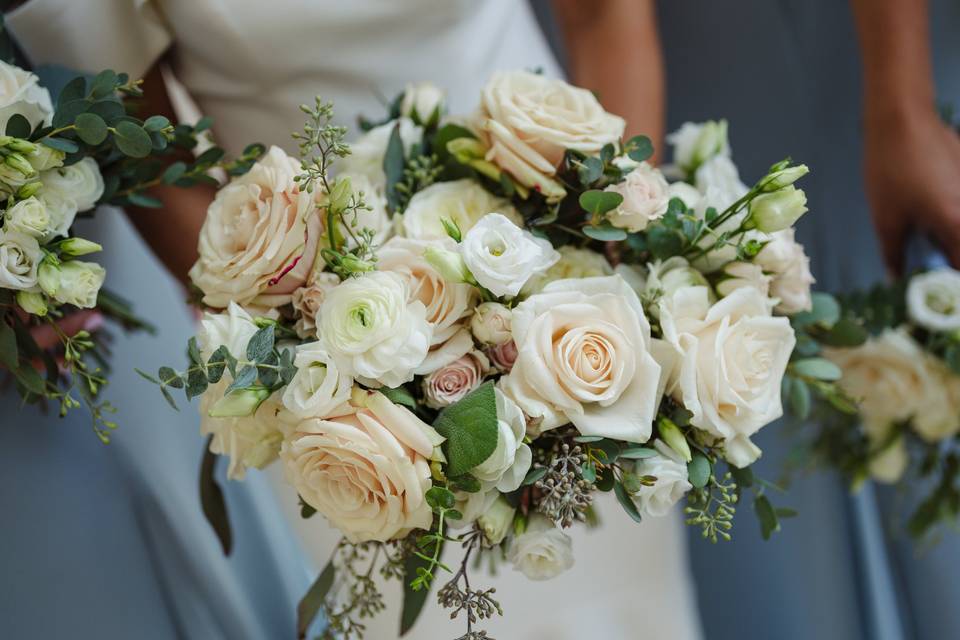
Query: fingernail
pixel 93 322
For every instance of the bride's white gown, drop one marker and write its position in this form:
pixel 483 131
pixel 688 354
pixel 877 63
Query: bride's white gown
pixel 249 64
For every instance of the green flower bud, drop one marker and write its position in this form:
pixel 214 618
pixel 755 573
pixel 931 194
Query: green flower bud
pixel 29 190
pixel 48 277
pixel 776 211
pixel 340 194
pixel 452 228
pixel 22 146
pixel 239 403
pixel 352 264
pixel 79 247
pixel 19 163
pixel 785 177
pixel 32 302
pixel 671 434
pixel 45 158
pixel 450 264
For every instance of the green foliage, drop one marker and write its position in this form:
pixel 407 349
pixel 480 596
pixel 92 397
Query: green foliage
pixel 699 470
pixel 312 602
pixel 639 148
pixel 623 497
pixel 212 501
pixel 471 429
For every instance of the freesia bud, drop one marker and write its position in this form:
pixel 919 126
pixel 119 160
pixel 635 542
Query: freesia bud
pixel 450 264
pixel 239 403
pixel 32 302
pixel 785 177
pixel 671 434
pixel 772 212
pixel 495 523
pixel 79 247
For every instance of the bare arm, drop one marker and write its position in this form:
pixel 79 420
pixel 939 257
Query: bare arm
pixel 614 49
pixel 911 159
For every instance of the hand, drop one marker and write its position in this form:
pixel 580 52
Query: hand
pixel 912 170
pixel 47 338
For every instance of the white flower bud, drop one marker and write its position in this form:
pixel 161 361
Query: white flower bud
pixel 239 403
pixel 771 212
pixel 785 177
pixel 32 302
pixel 79 247
pixel 496 521
pixel 423 103
pixel 449 264
pixel 490 323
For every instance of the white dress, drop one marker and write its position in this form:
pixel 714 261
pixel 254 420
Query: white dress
pixel 249 64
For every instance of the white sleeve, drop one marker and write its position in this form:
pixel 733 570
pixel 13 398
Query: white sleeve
pixel 91 35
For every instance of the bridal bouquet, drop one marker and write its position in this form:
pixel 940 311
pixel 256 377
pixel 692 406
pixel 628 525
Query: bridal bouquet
pixel 57 162
pixel 456 331
pixel 897 352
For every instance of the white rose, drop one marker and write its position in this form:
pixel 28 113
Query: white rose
pixel 20 92
pixel 737 275
pixel 646 195
pixel 251 441
pixel 584 358
pixel 318 387
pixel 508 464
pixel 573 263
pixel 366 470
pixel 79 283
pixel 447 303
pixel 671 484
pixel 542 551
pixel 490 323
pixel 463 202
pixel 502 256
pixel 693 143
pixel 784 258
pixel 888 466
pixel 308 299
pixel 528 121
pixel 62 210
pixel 20 257
pixel 719 180
pixel 80 182
pixel 933 299
pixel 497 521
pixel 232 329
pixel 940 417
pixel 374 218
pixel 422 102
pixel 373 331
pixel 450 383
pixel 733 355
pixel 259 240
pixel 28 216
pixel 367 152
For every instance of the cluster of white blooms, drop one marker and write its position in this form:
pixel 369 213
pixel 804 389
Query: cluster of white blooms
pixel 42 197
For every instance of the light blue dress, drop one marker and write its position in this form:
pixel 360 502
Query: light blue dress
pixel 785 73
pixel 109 542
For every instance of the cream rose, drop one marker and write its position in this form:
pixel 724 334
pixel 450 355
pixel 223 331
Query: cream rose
pixel 318 387
pixel 490 323
pixel 248 441
pixel 503 257
pixel 373 329
pixel 79 182
pixel 308 299
pixel 20 257
pixel 259 240
pixel 646 195
pixel 671 483
pixel 21 93
pixel 366 469
pixel 463 202
pixel 510 461
pixel 784 259
pixel 447 303
pixel 452 382
pixel 933 299
pixel 542 551
pixel 584 358
pixel 528 121
pixel 732 358
pixel 367 152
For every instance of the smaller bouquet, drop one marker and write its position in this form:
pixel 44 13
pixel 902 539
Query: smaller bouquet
pixel 58 162
pixel 897 352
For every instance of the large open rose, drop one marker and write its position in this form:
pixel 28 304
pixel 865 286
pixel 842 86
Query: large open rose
pixel 584 357
pixel 365 468
pixel 732 357
pixel 528 120
pixel 259 240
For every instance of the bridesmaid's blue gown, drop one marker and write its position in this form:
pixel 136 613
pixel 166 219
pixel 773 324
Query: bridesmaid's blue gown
pixel 107 542
pixel 786 75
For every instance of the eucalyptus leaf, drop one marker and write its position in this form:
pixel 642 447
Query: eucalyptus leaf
pixel 800 399
pixel 598 202
pixel 312 602
pixel 60 144
pixel 142 200
pixel 8 346
pixel 18 126
pixel 103 84
pixel 639 148
pixel 818 368
pixel 212 500
pixel 767 516
pixel 605 233
pixel 132 140
pixel 624 499
pixel 534 475
pixel 261 344
pixel 637 453
pixel 698 470
pixel 394 160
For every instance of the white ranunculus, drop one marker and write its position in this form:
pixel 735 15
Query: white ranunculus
pixel 450 383
pixel 497 521
pixel 695 142
pixel 260 238
pixel 510 461
pixel 231 328
pixel 528 121
pixel 543 551
pixel 422 102
pixel 584 358
pixel 20 92
pixel 62 210
pixel 20 257
pixel 80 283
pixel 373 329
pixel 490 323
pixel 646 195
pixel 738 274
pixel 933 299
pixel 732 358
pixel 503 257
pixel 463 202
pixel 318 387
pixel 367 152
pixel 373 218
pixel 447 303
pixel 671 485
pixel 80 182
pixel 28 216
pixel 308 299
pixel 573 263
pixel 251 441
pixel 784 258
pixel 367 469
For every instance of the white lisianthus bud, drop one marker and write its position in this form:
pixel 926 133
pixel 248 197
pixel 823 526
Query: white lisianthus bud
pixel 28 216
pixel 670 433
pixel 490 323
pixel 48 277
pixel 449 264
pixel 785 177
pixel 80 283
pixel 79 247
pixel 496 521
pixel 542 551
pixel 743 274
pixel 239 403
pixel 423 102
pixel 771 212
pixel 32 302
pixel 18 162
pixel 933 300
